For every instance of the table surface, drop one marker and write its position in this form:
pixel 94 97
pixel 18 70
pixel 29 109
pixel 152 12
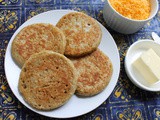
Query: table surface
pixel 127 102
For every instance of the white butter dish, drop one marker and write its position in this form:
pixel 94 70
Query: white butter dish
pixel 134 52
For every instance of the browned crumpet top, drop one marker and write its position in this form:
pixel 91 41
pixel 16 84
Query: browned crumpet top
pixel 47 80
pixel 94 73
pixel 83 33
pixel 35 38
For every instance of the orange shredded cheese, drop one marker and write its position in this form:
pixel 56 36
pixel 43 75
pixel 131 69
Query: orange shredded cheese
pixel 133 9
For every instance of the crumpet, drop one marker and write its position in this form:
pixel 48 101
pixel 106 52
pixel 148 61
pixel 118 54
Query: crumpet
pixel 83 33
pixel 35 38
pixel 94 73
pixel 47 80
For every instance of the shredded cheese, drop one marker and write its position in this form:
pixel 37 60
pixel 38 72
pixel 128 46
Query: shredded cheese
pixel 133 9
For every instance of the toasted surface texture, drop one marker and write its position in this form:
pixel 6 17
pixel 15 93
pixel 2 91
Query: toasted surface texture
pixel 94 73
pixel 35 38
pixel 47 80
pixel 83 33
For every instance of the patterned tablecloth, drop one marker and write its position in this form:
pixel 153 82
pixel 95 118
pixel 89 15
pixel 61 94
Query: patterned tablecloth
pixel 127 102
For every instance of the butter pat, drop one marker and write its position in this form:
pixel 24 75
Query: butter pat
pixel 148 65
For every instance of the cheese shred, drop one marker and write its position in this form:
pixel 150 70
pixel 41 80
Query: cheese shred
pixel 133 9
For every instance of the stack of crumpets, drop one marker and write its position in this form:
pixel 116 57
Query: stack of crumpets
pixel 58 61
pixel 83 36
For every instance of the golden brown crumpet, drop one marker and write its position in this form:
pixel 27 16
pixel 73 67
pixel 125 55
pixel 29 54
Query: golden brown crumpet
pixel 94 73
pixel 35 38
pixel 47 80
pixel 83 33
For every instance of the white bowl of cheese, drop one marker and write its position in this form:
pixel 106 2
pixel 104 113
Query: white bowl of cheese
pixel 142 64
pixel 129 16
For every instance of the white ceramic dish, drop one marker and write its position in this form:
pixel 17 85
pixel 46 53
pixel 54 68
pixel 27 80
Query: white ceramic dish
pixel 125 25
pixel 76 106
pixel 134 51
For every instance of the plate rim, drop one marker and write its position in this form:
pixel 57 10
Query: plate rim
pixel 9 49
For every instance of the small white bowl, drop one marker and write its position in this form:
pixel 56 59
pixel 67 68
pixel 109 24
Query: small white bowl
pixel 132 54
pixel 123 24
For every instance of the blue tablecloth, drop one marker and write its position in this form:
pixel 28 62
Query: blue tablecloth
pixel 127 102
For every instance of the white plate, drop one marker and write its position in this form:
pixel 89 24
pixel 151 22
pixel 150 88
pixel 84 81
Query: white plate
pixel 76 106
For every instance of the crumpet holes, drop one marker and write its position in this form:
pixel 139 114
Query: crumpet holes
pixel 24 86
pixel 89 24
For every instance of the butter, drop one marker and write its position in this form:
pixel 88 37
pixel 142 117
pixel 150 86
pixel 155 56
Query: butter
pixel 148 65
